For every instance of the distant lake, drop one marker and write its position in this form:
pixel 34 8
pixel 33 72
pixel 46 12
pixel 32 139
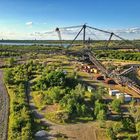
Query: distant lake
pixel 31 44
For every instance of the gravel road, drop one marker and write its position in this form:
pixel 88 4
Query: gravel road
pixel 4 108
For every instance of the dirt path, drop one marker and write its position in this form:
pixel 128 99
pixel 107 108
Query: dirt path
pixel 4 108
pixel 79 131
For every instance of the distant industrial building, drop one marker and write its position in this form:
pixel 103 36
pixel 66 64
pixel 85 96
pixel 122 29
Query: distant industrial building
pixel 113 92
pixel 126 97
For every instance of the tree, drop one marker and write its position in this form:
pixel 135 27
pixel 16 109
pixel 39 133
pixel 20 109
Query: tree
pixel 128 124
pixel 56 78
pixel 80 90
pixel 111 134
pixel 117 127
pixel 114 130
pixel 8 76
pixel 26 132
pixel 83 109
pixel 101 115
pixel 99 107
pixel 135 112
pixel 11 61
pixel 99 93
pixel 73 103
pixel 55 93
pixel 116 104
pixel 138 129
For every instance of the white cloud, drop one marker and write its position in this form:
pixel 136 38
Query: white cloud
pixel 15 35
pixel 30 23
pixel 135 30
pixel 44 35
pixel 129 33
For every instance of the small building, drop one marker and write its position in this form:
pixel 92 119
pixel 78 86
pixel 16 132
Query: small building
pixel 113 92
pixel 127 98
pixel 124 96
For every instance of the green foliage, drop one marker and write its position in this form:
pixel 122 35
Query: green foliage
pixel 54 93
pixel 101 115
pixel 128 124
pixel 26 132
pixel 20 74
pixel 56 78
pixel 114 132
pixel 71 81
pixel 58 117
pixel 118 55
pixel 8 76
pixel 73 102
pixel 100 109
pixel 25 50
pixel 138 128
pixel 111 134
pixel 39 99
pixel 53 78
pixel 99 93
pixel 20 123
pixel 11 61
pixel 135 112
pixel 55 88
pixel 80 90
pixel 116 104
pixel 117 127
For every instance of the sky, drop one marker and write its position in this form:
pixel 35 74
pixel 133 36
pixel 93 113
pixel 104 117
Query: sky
pixel 32 19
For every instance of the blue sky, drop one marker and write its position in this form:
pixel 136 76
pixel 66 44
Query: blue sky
pixel 21 18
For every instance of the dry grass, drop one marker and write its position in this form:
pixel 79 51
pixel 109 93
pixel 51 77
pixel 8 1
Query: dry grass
pixel 87 131
pixel 51 108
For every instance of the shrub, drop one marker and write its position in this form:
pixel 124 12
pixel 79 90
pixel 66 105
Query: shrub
pixel 128 124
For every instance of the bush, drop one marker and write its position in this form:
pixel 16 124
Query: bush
pixel 20 118
pixel 8 76
pixel 58 117
pixel 116 104
pixel 111 134
pixel 98 110
pixel 117 127
pixel 128 124
pixel 55 93
pixel 138 129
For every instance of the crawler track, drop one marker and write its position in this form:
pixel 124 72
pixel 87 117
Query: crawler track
pixel 4 109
